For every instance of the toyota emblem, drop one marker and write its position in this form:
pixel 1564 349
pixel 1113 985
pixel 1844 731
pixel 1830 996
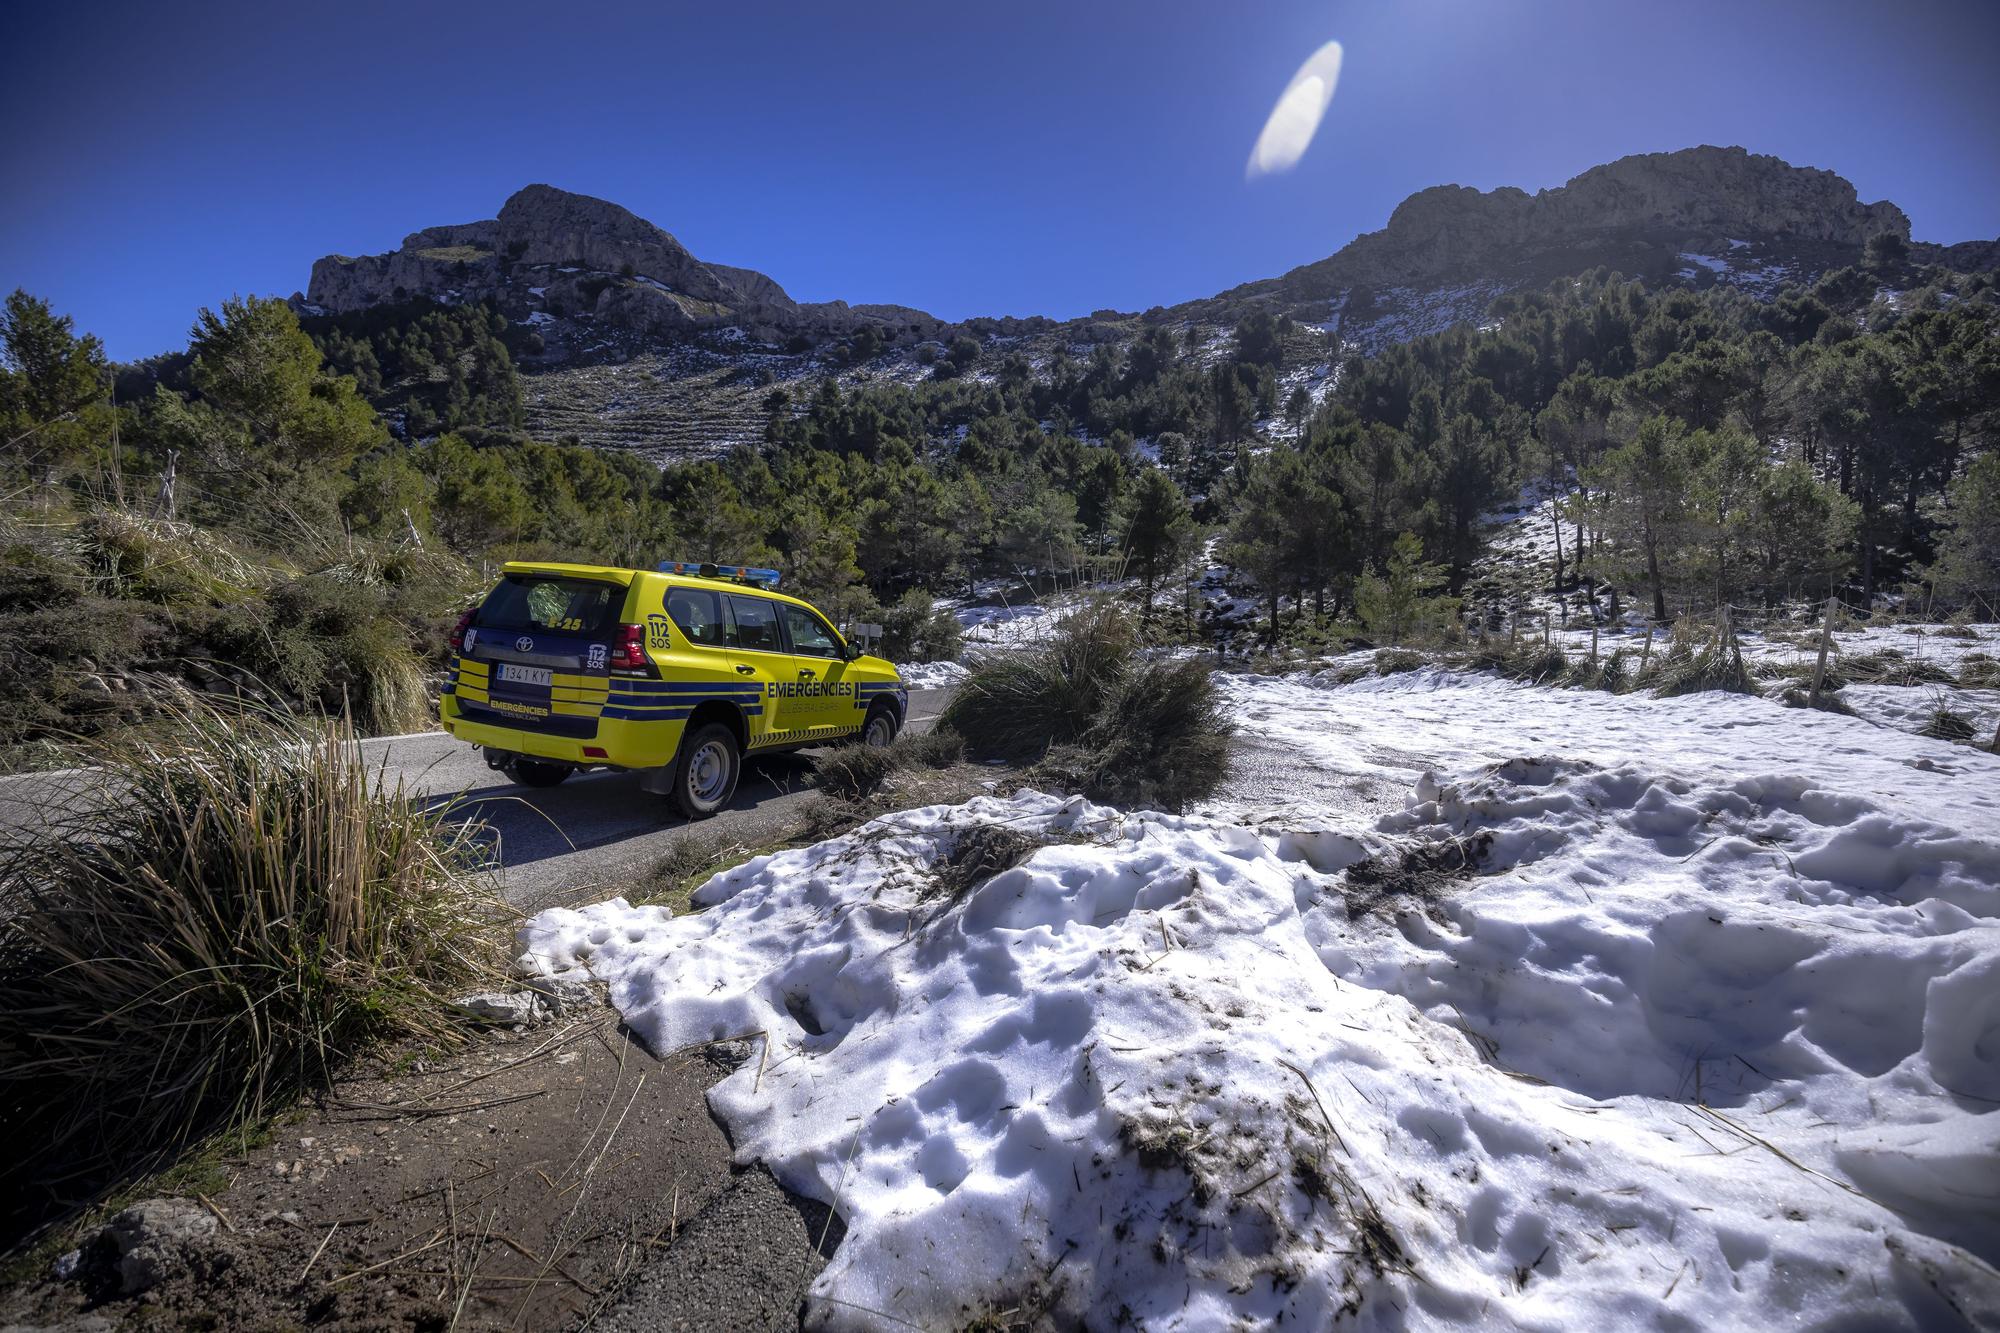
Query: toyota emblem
pixel 524 644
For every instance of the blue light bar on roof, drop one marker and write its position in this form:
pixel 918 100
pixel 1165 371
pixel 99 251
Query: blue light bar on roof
pixel 701 569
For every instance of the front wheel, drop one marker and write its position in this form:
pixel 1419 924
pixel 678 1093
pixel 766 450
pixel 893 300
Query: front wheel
pixel 705 774
pixel 881 728
pixel 535 773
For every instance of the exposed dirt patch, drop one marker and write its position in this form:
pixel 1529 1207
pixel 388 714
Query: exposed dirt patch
pixel 522 1184
pixel 1415 878
pixel 549 1177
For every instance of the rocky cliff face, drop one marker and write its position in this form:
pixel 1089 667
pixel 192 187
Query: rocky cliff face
pixel 552 255
pixel 1650 204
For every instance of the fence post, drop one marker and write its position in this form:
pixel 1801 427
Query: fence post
pixel 1819 668
pixel 1646 653
pixel 1593 643
pixel 163 503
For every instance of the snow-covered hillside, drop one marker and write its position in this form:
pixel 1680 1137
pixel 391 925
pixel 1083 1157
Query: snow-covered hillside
pixel 1628 1012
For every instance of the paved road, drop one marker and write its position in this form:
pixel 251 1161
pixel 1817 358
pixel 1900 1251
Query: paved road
pixel 592 832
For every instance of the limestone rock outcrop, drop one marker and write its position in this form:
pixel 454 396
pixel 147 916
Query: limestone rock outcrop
pixel 1455 232
pixel 570 256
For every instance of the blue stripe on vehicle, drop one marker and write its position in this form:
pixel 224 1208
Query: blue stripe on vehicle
pixel 681 695
pixel 681 686
pixel 656 712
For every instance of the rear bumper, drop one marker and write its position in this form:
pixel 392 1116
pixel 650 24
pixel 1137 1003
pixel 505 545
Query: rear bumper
pixel 582 741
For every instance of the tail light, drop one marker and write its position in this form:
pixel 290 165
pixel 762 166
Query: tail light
pixel 458 633
pixel 628 647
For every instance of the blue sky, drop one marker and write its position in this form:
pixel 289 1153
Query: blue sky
pixel 1023 158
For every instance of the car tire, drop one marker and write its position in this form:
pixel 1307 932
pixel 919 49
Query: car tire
pixel 880 728
pixel 706 770
pixel 535 773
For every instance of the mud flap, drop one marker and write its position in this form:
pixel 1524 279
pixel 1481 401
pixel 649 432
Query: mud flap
pixel 658 781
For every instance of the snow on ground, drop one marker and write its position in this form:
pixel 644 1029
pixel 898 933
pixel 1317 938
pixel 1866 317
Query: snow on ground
pixel 932 675
pixel 1403 314
pixel 1708 1036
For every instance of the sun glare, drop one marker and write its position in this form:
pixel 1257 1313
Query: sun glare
pixel 1296 117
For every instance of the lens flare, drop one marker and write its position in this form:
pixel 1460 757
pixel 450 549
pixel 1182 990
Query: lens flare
pixel 1296 117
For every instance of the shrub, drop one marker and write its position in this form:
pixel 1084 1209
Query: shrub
pixel 56 659
pixel 915 629
pixel 1161 738
pixel 231 912
pixel 1098 719
pixel 1607 674
pixel 1536 665
pixel 331 642
pixel 154 560
pixel 1016 706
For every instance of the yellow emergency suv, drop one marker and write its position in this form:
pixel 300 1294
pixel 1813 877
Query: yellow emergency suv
pixel 677 672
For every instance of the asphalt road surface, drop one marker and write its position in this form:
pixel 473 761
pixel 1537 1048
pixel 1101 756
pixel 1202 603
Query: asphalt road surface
pixel 591 832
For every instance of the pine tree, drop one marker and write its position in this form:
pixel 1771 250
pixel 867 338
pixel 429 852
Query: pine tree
pixel 1397 604
pixel 53 386
pixel 1643 492
pixel 1156 527
pixel 1968 564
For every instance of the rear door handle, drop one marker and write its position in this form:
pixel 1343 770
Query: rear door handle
pixel 805 673
pixel 746 671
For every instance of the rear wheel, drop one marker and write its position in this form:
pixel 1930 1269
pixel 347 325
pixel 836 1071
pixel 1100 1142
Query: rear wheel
pixel 706 771
pixel 880 729
pixel 535 773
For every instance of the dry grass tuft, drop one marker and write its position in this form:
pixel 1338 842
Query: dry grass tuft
pixel 230 911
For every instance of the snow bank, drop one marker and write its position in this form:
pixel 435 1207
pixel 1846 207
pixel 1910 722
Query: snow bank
pixel 933 675
pixel 1645 1012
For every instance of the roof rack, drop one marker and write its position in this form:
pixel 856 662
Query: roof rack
pixel 703 569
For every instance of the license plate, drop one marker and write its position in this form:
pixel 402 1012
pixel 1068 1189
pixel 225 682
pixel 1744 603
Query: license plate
pixel 526 675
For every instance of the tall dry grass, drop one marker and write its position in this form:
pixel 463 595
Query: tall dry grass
pixel 229 910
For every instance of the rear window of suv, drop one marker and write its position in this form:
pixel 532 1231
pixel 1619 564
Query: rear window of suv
pixel 551 605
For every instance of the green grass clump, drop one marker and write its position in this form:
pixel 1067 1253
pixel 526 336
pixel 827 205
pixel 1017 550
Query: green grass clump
pixel 1096 718
pixel 229 911
pixel 1391 661
pixel 1892 668
pixel 1800 696
pixel 1609 674
pixel 1537 666
pixel 1978 671
pixel 851 772
pixel 1700 658
pixel 1946 723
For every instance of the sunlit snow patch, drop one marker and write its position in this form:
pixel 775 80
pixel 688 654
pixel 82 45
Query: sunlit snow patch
pixel 1569 1041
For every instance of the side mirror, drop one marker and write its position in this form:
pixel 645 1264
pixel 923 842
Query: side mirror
pixel 849 650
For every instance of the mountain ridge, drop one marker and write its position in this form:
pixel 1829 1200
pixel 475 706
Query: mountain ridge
pixel 628 337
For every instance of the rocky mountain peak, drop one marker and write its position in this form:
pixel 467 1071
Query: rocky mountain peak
pixel 573 264
pixel 1638 207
